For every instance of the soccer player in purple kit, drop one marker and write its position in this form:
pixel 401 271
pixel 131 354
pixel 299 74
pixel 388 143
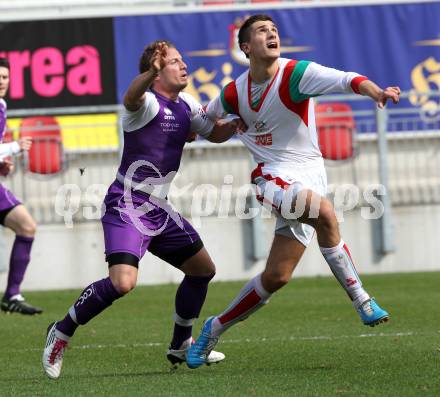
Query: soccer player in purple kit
pixel 13 214
pixel 157 121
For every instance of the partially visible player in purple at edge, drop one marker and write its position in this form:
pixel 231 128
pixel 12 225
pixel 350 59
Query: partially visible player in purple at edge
pixel 157 121
pixel 13 214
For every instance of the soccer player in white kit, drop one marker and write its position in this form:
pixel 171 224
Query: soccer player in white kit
pixel 274 98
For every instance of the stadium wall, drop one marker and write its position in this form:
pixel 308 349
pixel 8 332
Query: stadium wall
pixel 77 259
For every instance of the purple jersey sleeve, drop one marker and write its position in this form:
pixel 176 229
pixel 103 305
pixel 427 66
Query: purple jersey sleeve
pixel 2 118
pixel 200 123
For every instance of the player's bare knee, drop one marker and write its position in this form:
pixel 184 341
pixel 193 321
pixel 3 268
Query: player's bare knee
pixel 201 273
pixel 210 271
pixel 276 280
pixel 278 284
pixel 209 274
pixel 27 229
pixel 327 218
pixel 207 270
pixel 124 285
pixel 203 268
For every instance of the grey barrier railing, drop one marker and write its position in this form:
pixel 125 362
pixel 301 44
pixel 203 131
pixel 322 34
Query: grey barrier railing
pixel 397 148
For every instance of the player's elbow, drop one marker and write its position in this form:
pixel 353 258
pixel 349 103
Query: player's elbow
pixel 131 103
pixel 214 140
pixel 217 138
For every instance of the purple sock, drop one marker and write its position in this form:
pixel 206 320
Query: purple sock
pixel 67 326
pixel 20 257
pixel 190 297
pixel 92 301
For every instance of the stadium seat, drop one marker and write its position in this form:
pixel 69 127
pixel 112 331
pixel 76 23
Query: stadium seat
pixel 336 126
pixel 7 136
pixel 46 156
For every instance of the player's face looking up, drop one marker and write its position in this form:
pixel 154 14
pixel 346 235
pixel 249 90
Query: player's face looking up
pixel 264 42
pixel 173 76
pixel 4 81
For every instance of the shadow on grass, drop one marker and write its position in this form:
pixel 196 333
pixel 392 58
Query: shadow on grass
pixel 179 372
pixel 88 376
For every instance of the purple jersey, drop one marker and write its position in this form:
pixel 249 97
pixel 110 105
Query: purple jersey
pixel 155 230
pixel 157 132
pixel 7 199
pixel 154 136
pixel 2 118
pixel 7 149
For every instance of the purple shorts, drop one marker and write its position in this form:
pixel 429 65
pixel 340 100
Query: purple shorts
pixel 129 228
pixel 7 199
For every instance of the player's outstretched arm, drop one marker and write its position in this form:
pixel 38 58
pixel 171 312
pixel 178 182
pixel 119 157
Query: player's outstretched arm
pixel 12 148
pixel 380 96
pixel 6 166
pixel 136 91
pixel 224 129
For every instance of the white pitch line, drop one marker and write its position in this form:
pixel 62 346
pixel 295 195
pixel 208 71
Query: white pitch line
pixel 234 341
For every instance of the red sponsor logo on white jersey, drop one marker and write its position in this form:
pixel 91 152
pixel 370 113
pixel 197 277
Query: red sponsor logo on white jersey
pixel 350 282
pixel 264 140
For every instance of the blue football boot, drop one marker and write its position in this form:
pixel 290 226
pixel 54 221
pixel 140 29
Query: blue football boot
pixel 200 350
pixel 177 357
pixel 372 314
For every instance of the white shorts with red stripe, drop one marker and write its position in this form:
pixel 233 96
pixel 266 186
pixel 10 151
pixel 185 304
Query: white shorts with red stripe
pixel 277 181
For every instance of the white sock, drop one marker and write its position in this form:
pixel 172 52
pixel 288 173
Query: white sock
pixel 62 336
pixel 251 297
pixel 342 266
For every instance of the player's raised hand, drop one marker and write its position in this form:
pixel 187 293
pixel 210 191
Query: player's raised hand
pixel 226 128
pixel 239 125
pixel 191 137
pixel 234 125
pixel 157 62
pixel 6 166
pixel 392 93
pixel 25 143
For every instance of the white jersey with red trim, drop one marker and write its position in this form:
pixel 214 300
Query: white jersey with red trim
pixel 281 125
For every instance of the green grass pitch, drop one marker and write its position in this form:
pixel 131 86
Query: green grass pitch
pixel 308 341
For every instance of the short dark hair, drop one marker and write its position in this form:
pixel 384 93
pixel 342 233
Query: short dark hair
pixel 144 61
pixel 4 63
pixel 244 32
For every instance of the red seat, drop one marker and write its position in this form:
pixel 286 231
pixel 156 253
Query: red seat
pixel 335 125
pixel 7 136
pixel 46 154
